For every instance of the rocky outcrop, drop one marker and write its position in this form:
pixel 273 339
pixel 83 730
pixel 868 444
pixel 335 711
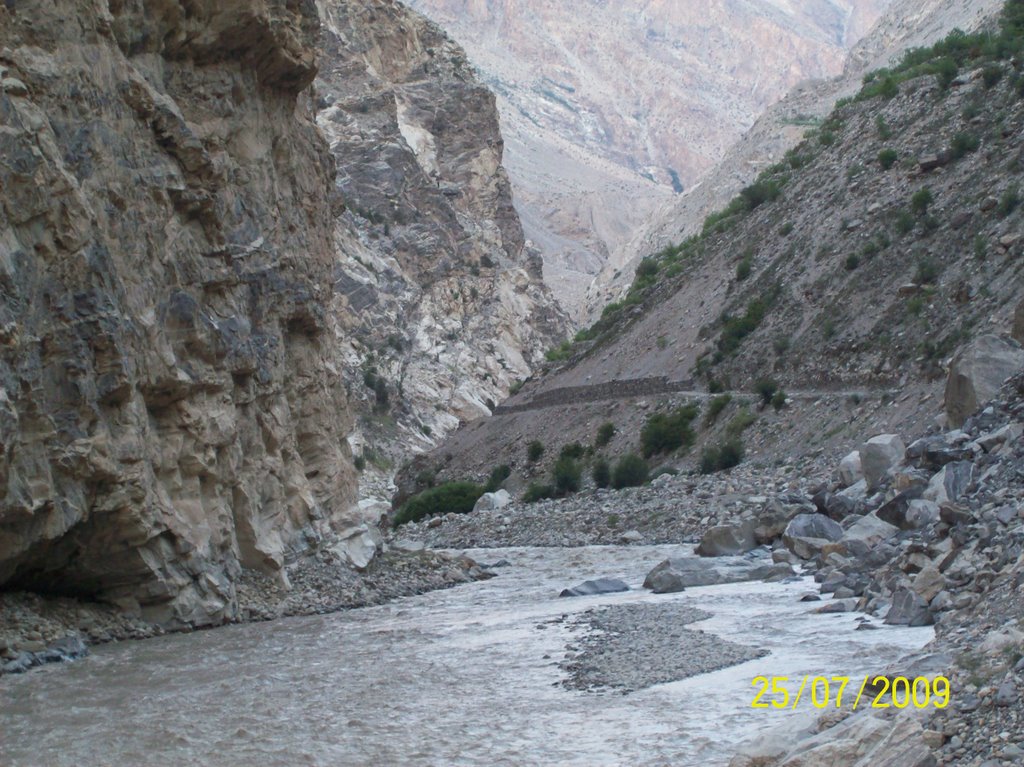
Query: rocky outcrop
pixel 977 372
pixel 447 302
pixel 170 387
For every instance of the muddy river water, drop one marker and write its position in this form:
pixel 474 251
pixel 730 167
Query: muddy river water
pixel 459 677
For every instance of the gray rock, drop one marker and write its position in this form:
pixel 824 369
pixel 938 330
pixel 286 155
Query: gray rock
pixel 727 540
pixel 909 609
pixel 594 587
pixel 814 526
pixel 631 536
pixel 870 530
pixel 772 573
pixel 1007 695
pixel 850 469
pixel 493 501
pixel 921 514
pixel 674 575
pixel 776 515
pixel 895 511
pixel 977 373
pixel 951 483
pixel 878 455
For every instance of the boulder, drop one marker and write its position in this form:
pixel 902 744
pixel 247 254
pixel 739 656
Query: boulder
pixel 878 455
pixel 850 469
pixel 1018 323
pixel 594 587
pixel 928 583
pixel 921 514
pixel 1006 435
pixel 895 511
pixel 814 526
pixel 909 609
pixel 977 373
pixel 772 573
pixel 777 514
pixel 870 530
pixel 951 483
pixel 726 540
pixel 358 546
pixel 674 575
pixel 493 501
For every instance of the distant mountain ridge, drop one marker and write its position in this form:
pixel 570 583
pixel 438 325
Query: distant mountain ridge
pixel 608 109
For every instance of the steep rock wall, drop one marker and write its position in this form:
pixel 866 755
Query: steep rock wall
pixel 448 304
pixel 170 379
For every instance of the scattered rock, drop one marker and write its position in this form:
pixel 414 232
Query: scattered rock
pixel 728 540
pixel 594 587
pixel 977 373
pixel 878 455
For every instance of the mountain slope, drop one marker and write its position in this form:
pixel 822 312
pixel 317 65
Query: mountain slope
pixel 633 101
pixel 903 26
pixel 848 273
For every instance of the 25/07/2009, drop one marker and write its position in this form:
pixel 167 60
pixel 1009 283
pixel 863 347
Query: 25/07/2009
pixel 824 692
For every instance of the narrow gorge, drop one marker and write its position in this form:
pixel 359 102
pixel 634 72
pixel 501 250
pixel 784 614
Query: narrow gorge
pixel 649 439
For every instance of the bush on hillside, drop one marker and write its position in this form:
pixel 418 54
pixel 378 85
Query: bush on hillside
pixel 605 434
pixel 498 476
pixel 453 497
pixel 602 473
pixel 567 476
pixel 721 457
pixel 630 471
pixel 535 451
pixel 665 432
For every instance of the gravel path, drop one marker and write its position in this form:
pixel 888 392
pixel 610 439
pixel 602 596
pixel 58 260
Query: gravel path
pixel 631 647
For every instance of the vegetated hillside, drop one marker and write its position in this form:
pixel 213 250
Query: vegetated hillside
pixel 446 304
pixel 857 266
pixel 605 102
pixel 169 392
pixel 905 24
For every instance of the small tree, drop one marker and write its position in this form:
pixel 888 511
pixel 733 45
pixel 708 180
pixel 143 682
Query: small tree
pixel 921 200
pixel 498 476
pixel 567 476
pixel 630 471
pixel 534 451
pixel 767 389
pixel 602 473
pixel 605 434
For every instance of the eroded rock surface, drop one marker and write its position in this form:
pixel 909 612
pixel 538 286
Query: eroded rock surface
pixel 170 394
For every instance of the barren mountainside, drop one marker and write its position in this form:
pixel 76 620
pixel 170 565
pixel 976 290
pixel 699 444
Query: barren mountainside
pixel 849 274
pixel 608 102
pixel 903 25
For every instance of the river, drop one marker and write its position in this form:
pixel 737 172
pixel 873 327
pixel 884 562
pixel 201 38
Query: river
pixel 456 677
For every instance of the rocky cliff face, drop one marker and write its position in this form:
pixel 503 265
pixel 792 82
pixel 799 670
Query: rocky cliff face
pixel 448 305
pixel 170 375
pixel 605 102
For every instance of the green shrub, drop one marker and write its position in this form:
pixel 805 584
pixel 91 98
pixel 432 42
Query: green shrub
pixel 760 192
pixel 781 345
pixel 516 387
pixel 538 492
pixel 665 432
pixel 915 305
pixel 604 434
pixel 360 463
pixel 602 473
pixel 567 476
pixel 453 497
pixel 884 131
pixel 920 201
pixel 735 329
pixel 574 451
pixel 766 388
pixel 744 268
pixel 721 457
pixel 498 476
pixel 852 262
pixel 779 400
pixel 992 74
pixel 715 408
pixel 787 229
pixel 927 272
pixel 1008 202
pixel 534 451
pixel 887 158
pixel 561 352
pixel 904 222
pixel 630 471
pixel 963 144
pixel 740 423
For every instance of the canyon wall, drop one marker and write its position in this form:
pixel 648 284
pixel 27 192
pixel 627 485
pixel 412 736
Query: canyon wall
pixel 170 393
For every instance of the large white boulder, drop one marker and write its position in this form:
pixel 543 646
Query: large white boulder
pixel 850 470
pixel 978 372
pixel 879 455
pixel 493 501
